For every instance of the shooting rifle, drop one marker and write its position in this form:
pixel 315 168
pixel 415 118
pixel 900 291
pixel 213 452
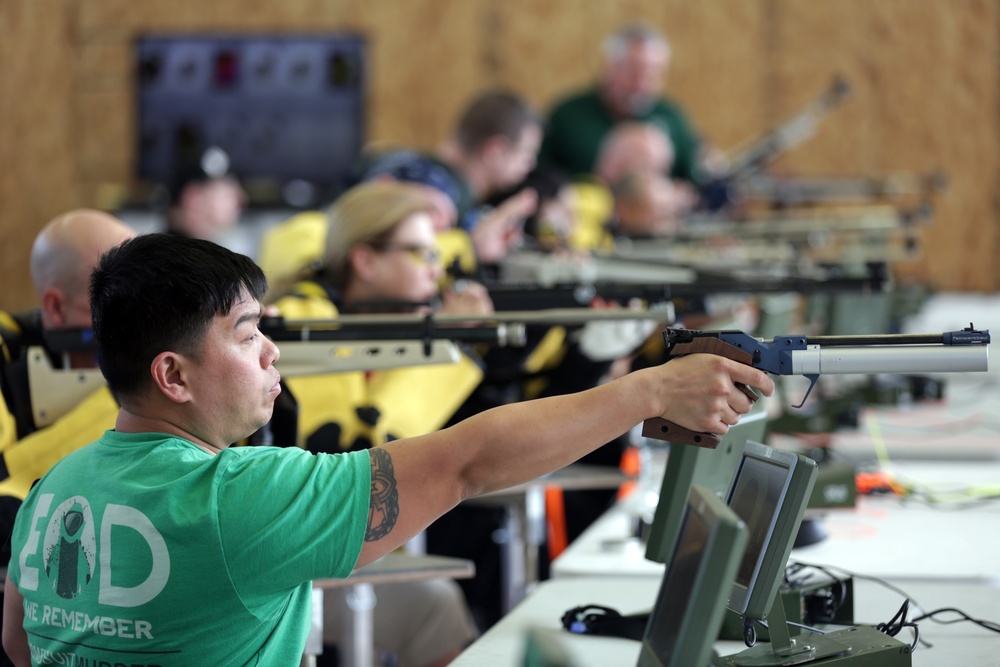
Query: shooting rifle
pixel 955 351
pixel 793 131
pixel 511 295
pixel 307 347
pixel 314 347
pixel 549 269
pixel 797 239
pixel 803 222
pixel 786 191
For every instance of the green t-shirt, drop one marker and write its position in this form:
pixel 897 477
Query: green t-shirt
pixel 577 125
pixel 143 549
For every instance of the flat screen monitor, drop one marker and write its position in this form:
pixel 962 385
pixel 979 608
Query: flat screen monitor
pixel 711 468
pixel 685 620
pixel 769 492
pixel 287 109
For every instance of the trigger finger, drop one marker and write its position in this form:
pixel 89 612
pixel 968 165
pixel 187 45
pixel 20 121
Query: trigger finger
pixel 748 392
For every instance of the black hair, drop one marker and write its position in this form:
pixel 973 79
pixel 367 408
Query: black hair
pixel 493 113
pixel 195 164
pixel 158 292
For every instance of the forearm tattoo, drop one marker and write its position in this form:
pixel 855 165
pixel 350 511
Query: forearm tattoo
pixel 384 508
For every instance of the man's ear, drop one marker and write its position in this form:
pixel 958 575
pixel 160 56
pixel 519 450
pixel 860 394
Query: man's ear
pixel 170 376
pixel 54 306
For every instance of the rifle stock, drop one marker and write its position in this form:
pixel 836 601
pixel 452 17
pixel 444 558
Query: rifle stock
pixel 307 347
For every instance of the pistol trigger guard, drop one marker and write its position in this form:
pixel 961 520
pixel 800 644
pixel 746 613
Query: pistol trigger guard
pixel 813 379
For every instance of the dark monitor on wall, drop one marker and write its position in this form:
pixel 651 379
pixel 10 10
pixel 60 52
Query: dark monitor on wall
pixel 769 492
pixel 288 109
pixel 711 468
pixel 685 620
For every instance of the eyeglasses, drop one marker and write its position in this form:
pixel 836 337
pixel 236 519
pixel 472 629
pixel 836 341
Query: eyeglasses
pixel 419 253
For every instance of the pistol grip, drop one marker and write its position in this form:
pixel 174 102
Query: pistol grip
pixel 659 428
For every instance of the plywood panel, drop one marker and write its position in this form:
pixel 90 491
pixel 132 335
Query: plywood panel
pixel 107 18
pixel 938 109
pixel 910 97
pixel 923 71
pixel 717 69
pixel 542 49
pixel 807 57
pixel 39 175
pixel 425 65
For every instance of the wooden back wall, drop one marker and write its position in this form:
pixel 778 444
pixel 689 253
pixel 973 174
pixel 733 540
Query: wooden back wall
pixel 923 72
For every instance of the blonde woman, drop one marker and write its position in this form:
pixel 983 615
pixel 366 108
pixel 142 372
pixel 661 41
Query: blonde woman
pixel 380 254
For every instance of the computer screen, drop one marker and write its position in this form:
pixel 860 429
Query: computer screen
pixel 287 109
pixel 769 492
pixel 685 620
pixel 711 468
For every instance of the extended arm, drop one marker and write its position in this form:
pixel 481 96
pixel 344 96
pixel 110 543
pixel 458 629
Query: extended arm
pixel 418 479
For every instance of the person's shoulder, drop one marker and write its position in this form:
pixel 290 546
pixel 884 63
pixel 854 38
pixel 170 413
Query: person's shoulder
pixel 578 99
pixel 78 459
pixel 254 462
pixel 308 300
pixel 291 245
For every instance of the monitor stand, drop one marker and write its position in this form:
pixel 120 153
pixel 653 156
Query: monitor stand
pixel 858 646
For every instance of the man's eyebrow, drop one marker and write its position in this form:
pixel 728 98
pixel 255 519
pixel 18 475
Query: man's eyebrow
pixel 249 316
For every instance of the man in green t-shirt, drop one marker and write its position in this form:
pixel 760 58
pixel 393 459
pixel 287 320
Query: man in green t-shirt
pixel 159 544
pixel 635 60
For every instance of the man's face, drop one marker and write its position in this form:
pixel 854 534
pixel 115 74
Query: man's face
pixel 634 80
pixel 233 381
pixel 514 160
pixel 212 207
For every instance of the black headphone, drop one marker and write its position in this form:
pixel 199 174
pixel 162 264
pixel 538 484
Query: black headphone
pixel 593 619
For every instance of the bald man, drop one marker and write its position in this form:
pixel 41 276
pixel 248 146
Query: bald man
pixel 62 257
pixel 633 147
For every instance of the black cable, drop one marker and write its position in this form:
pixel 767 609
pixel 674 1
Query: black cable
pixel 898 622
pixel 992 626
pixel 864 577
pixel 988 625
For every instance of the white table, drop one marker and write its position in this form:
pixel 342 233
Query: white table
pixel 958 645
pixel 882 536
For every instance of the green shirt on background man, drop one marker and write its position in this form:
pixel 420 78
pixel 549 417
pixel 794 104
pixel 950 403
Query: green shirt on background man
pixel 577 125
